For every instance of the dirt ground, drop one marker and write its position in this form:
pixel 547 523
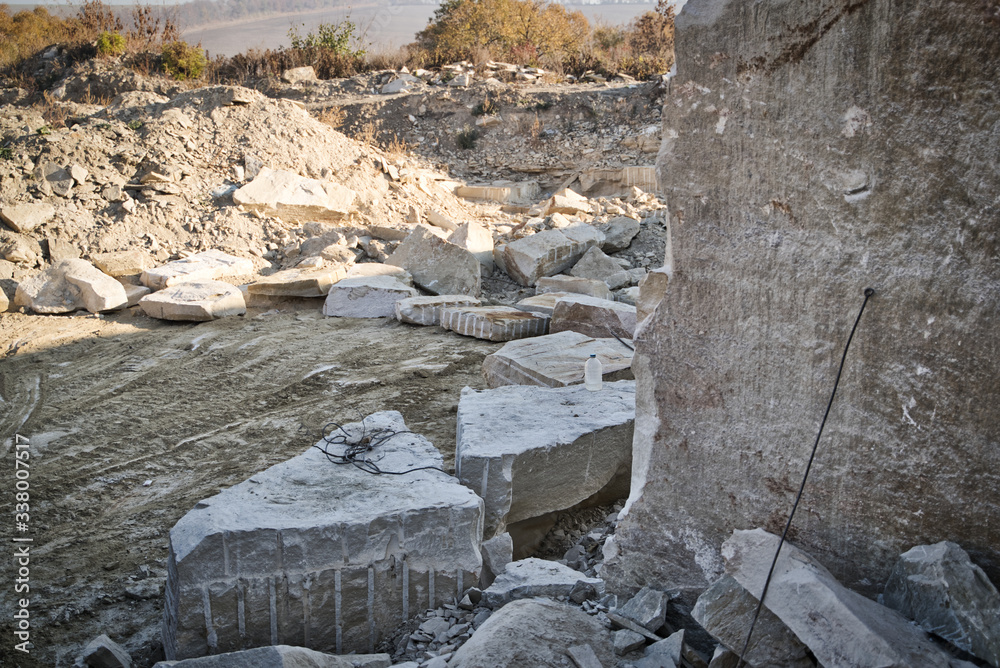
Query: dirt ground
pixel 132 421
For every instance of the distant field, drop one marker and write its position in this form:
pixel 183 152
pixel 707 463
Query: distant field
pixel 384 26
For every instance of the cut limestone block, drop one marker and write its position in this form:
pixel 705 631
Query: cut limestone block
pixel 206 266
pixel 197 301
pixel 427 310
pixel 502 194
pixel 594 317
pixel 494 323
pixel 854 631
pixel 725 610
pixel 529 578
pixel 476 239
pixel 568 202
pixel 368 269
pixel 26 217
pixel 574 284
pixel 293 197
pixel 549 252
pixel 69 285
pixel 366 297
pixel 328 556
pixel 556 360
pixel 544 304
pixel 497 553
pixel 299 282
pixel 940 588
pixel 528 451
pixel 618 233
pixel 436 265
pixel 535 633
pixel 597 265
pixel 122 263
pixel 281 656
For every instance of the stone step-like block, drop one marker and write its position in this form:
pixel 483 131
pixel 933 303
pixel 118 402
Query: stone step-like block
pixel 427 310
pixel 206 266
pixel 494 323
pixel 555 360
pixel 549 252
pixel 299 282
pixel 366 297
pixel 593 317
pixel 198 301
pixel 528 451
pixel 328 557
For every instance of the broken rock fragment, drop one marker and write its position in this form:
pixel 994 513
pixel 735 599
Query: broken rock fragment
pixel 299 282
pixel 493 323
pixel 436 265
pixel 332 556
pixel 528 451
pixel 427 310
pixel 593 317
pixel 555 360
pixel 366 297
pixel 197 301
pixel 618 233
pixel 549 252
pixel 476 239
pixel 597 265
pixel 575 284
pixel 841 628
pixel 122 263
pixel 531 577
pixel 103 652
pixel 940 588
pixel 568 202
pixel 69 285
pixel 206 266
pixel 26 217
pixel 293 197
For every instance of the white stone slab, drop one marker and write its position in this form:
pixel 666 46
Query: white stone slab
pixel 321 555
pixel 198 301
pixel 293 197
pixel 575 284
pixel 549 252
pixel 206 266
pixel 528 451
pixel 555 360
pixel 427 310
pixel 299 282
pixel 26 217
pixel 366 297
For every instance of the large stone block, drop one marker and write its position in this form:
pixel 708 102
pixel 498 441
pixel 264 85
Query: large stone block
pixel 477 240
pixel 293 197
pixel 206 266
pixel 366 297
pixel 281 656
pixel 438 266
pixel 532 577
pixel 794 206
pixel 427 310
pixel 528 451
pixel 69 285
pixel 299 282
pixel 197 300
pixel 555 360
pixel 493 323
pixel 325 556
pixel 597 265
pixel 842 628
pixel 594 317
pixel 549 252
pixel 122 263
pixel 575 284
pixel 940 588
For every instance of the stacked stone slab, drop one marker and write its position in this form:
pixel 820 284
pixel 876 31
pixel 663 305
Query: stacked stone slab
pixel 528 451
pixel 594 317
pixel 555 360
pixel 427 310
pixel 323 556
pixel 438 266
pixel 206 266
pixel 549 252
pixel 494 323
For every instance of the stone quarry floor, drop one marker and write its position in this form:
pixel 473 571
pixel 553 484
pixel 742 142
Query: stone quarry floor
pixel 135 420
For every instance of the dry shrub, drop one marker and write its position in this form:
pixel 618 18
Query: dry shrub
pixel 332 116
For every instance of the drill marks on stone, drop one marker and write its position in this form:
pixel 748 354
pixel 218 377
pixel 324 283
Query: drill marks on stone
pixel 337 602
pixel 371 609
pixel 273 608
pixel 206 601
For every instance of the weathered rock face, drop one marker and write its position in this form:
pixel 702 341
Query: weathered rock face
pixel 325 556
pixel 809 157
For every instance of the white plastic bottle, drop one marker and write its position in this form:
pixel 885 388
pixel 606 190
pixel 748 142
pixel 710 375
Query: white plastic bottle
pixel 593 374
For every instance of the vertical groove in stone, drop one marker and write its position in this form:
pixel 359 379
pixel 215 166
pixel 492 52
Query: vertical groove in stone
pixel 206 602
pixel 272 596
pixel 371 608
pixel 306 610
pixel 241 608
pixel 430 588
pixel 406 589
pixel 337 598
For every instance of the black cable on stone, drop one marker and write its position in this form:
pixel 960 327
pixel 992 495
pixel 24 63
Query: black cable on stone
pixel 355 451
pixel 767 583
